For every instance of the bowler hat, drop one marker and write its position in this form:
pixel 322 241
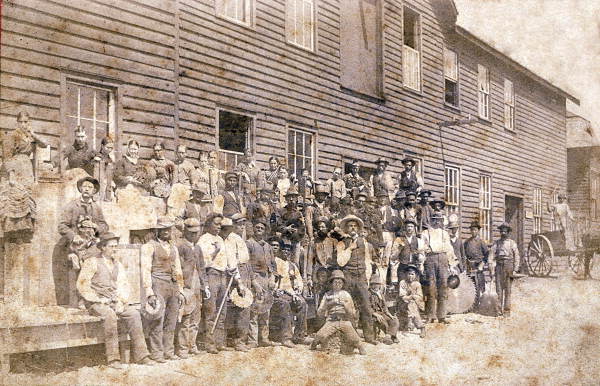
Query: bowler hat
pixel 425 192
pixel 349 218
pixel 382 160
pixel 321 189
pixel 88 179
pixel 410 194
pixel 412 267
pixel 409 160
pixel 192 224
pixel 453 281
pixel 337 274
pixel 105 237
pixel 505 225
pixel 436 200
pixel 151 313
pixel 475 224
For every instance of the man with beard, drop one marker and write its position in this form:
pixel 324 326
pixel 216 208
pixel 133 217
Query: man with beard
pixel 80 155
pixel 264 207
pixel 290 212
pixel 162 277
pixel 354 182
pixel 262 260
pixel 319 208
pixel 411 210
pixel 352 257
pixel 288 302
pixel 323 248
pixel 183 167
pixel 382 181
pixel 409 180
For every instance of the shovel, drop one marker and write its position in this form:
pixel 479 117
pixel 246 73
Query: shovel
pixel 488 303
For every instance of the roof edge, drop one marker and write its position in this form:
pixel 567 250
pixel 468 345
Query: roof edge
pixel 519 67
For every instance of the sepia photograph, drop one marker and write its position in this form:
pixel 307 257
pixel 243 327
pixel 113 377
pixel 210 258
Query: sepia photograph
pixel 299 192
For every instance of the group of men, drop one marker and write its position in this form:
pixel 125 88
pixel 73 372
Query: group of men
pixel 235 269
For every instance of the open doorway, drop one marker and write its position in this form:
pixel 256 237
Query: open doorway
pixel 513 215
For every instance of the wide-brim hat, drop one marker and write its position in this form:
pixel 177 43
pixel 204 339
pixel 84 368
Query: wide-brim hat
pixel 453 224
pixel 153 313
pixel 453 281
pixel 364 194
pixel 292 191
pixel 382 193
pixel 349 218
pixel 505 225
pixel 382 160
pixel 376 279
pixel 244 301
pixel 322 219
pixel 88 179
pixel 321 189
pixel 337 274
pixel 475 224
pixel 410 193
pixel 409 160
pixel 164 222
pixel 190 301
pixel 436 200
pixel 105 237
pixel 412 267
pixel 425 192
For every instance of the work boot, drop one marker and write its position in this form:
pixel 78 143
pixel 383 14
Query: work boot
pixel 115 365
pixel 211 349
pixel 183 355
pixel 263 337
pixel 171 357
pixel 195 351
pixel 240 346
pixel 288 343
pixel 443 321
pixel 146 362
pixel 252 345
pixel 314 344
pixel 159 360
pixel 422 332
pixel 362 350
pixel 387 340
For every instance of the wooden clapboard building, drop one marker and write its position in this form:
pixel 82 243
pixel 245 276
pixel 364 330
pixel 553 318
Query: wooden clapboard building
pixel 319 82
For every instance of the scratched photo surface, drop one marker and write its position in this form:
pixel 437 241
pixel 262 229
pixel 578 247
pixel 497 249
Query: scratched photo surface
pixel 299 192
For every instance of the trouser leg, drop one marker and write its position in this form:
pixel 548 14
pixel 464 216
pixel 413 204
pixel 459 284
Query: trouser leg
pixel 349 333
pixel 508 270
pixel 133 323
pixel 170 321
pixel 242 323
pixel 217 285
pixel 111 333
pixel 359 290
pixel 284 313
pixel 188 329
pixel 442 285
pixel 328 329
pixel 393 325
pixel 300 324
pixel 431 277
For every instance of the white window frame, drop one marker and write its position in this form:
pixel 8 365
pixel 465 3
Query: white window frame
pixel 239 8
pixel 594 197
pixel 249 135
pixel 452 189
pixel 537 210
pixel 509 105
pixel 412 77
pixel 553 220
pixel 452 77
pixel 313 151
pixel 485 206
pixel 293 22
pixel 483 91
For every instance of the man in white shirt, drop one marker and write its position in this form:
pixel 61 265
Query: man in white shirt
pixel 439 260
pixel 104 287
pixel 504 262
pixel 162 275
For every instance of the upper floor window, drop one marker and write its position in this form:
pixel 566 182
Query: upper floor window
pixel 92 107
pixel 450 77
pixel 300 23
pixel 537 210
pixel 239 11
pixel 301 152
pixel 411 49
pixel 483 87
pixel 234 137
pixel 509 105
pixel 452 189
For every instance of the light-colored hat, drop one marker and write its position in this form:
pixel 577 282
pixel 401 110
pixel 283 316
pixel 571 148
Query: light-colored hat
pixel 337 170
pixel 453 224
pixel 231 174
pixel 337 274
pixel 105 237
pixel 93 181
pixel 321 189
pixel 238 217
pixel 376 279
pixel 227 222
pixel 244 301
pixel 349 218
pixel 154 313
pixel 164 222
pixel 292 191
pixel 192 224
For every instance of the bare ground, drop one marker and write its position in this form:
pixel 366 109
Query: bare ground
pixel 552 337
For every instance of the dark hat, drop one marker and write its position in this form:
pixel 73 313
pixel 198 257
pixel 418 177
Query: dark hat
pixel 436 200
pixel 231 174
pixel 292 191
pixel 192 224
pixel 562 195
pixel 437 214
pixel 337 274
pixel 164 222
pixel 407 160
pixel 400 195
pixel 382 160
pixel 88 179
pixel 261 220
pixel 364 194
pixel 376 279
pixel 475 224
pixel 425 192
pixel 105 237
pixel 321 189
pixel 355 163
pixel 286 246
pixel 410 194
pixel 382 193
pixel 505 225
pixel 453 281
pixel 154 313
pixel 412 267
pixel 410 221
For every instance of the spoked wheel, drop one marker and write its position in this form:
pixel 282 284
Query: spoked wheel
pixel 577 261
pixel 539 256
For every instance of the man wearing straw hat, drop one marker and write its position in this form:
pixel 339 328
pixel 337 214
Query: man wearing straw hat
pixel 504 261
pixel 105 289
pixel 352 257
pixel 162 276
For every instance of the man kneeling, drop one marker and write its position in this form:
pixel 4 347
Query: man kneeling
pixel 338 309
pixel 104 287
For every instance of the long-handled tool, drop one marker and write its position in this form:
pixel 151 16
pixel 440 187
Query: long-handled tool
pixel 212 330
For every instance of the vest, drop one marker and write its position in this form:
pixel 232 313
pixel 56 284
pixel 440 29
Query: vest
pixel 407 251
pixel 408 183
pixel 104 281
pixel 163 263
pixel 357 258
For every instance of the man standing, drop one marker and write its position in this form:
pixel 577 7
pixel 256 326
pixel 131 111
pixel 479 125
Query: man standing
pixel 389 217
pixel 425 209
pixel 263 266
pixel 318 209
pixel 337 187
pixel 409 180
pixel 352 257
pixel 198 206
pixel 105 289
pixel 194 281
pixel 411 209
pixel 251 174
pixel 218 270
pixel 162 277
pixel 504 261
pixel 264 206
pixel 80 154
pixel 290 212
pixel 85 213
pixel 382 181
pixel 207 173
pixel 439 257
pixel 476 253
pixel 354 182
pixel 323 248
pixel 233 200
pixel 405 250
pixel 183 167
pixel 564 218
pixel 457 244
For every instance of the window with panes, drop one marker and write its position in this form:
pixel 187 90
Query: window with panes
pixel 411 55
pixel 483 87
pixel 300 23
pixel 509 105
pixel 450 77
pixel 485 206
pixel 452 189
pixel 537 210
pixel 239 11
pixel 595 197
pixel 301 152
pixel 92 107
pixel 234 137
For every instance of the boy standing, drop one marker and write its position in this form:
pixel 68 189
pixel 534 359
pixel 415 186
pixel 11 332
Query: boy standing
pixel 338 309
pixel 411 300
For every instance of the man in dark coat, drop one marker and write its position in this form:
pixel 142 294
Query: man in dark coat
pixel 80 155
pixel 409 180
pixel 476 254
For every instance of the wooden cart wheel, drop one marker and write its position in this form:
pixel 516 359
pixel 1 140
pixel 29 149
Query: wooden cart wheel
pixel 576 262
pixel 539 255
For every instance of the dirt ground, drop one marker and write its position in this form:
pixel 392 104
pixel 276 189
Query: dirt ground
pixel 552 337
